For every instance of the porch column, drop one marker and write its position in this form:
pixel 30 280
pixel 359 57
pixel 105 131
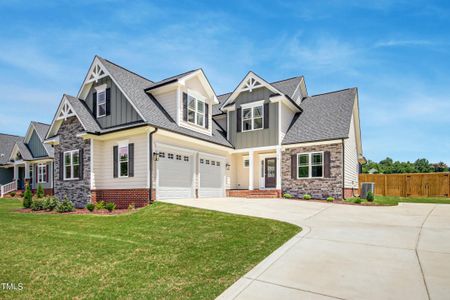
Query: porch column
pixel 27 170
pixel 250 170
pixel 16 172
pixel 278 186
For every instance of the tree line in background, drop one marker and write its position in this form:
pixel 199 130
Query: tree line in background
pixel 389 166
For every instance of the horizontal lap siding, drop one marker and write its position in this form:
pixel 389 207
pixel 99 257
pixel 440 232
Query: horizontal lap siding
pixel 351 167
pixel 103 164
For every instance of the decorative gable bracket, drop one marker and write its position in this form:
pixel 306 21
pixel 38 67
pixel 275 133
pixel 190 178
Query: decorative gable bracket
pixel 65 111
pixel 251 84
pixel 96 73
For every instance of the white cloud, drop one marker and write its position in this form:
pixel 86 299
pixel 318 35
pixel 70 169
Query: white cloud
pixel 404 43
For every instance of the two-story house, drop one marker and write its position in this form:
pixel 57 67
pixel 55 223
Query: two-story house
pixel 27 159
pixel 127 139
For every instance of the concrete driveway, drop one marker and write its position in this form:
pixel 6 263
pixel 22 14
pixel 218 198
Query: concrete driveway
pixel 347 252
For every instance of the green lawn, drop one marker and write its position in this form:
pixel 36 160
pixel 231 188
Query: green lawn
pixel 160 252
pixel 389 200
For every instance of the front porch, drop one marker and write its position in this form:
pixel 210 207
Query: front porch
pixel 256 173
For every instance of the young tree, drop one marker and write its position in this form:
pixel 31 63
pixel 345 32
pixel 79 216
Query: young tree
pixel 40 191
pixel 27 196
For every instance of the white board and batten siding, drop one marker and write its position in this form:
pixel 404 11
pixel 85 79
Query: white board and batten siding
pixel 103 164
pixel 351 166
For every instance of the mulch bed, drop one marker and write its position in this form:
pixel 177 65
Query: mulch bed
pixel 80 211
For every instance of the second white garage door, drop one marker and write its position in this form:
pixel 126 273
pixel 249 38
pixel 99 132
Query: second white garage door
pixel 175 175
pixel 212 171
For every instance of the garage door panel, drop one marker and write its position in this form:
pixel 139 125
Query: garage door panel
pixel 175 175
pixel 211 178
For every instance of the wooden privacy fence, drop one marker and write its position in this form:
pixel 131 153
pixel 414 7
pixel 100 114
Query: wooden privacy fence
pixel 409 185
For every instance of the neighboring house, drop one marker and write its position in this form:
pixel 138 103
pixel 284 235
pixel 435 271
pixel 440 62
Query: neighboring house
pixel 127 139
pixel 7 143
pixel 31 160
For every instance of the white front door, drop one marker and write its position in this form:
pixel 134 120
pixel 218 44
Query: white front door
pixel 212 180
pixel 175 173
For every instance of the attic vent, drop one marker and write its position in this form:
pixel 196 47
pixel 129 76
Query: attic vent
pixel 96 73
pixel 251 84
pixel 2 155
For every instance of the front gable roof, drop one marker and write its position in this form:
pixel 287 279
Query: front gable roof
pixel 7 143
pixel 41 130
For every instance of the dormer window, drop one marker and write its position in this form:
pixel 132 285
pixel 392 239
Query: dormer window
pixel 101 100
pixel 196 111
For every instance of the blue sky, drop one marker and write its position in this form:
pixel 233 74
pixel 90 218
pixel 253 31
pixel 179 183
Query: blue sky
pixel 396 52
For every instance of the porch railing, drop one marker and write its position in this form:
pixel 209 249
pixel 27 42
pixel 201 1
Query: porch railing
pixel 7 188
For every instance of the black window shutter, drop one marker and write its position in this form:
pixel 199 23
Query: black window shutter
pixel 294 166
pixel 61 166
pixel 94 104
pixel 266 115
pixel 239 120
pixel 206 115
pixel 115 161
pixel 185 106
pixel 81 164
pixel 326 164
pixel 131 160
pixel 46 172
pixel 108 101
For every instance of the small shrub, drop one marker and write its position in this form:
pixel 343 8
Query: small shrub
pixel 132 206
pixel 100 205
pixel 13 194
pixel 90 207
pixel 65 206
pixel 37 204
pixel 110 206
pixel 357 201
pixel 50 203
pixel 40 191
pixel 370 196
pixel 287 196
pixel 307 197
pixel 27 197
pixel 330 199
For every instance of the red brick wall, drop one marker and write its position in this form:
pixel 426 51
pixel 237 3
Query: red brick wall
pixel 123 197
pixel 254 193
pixel 349 193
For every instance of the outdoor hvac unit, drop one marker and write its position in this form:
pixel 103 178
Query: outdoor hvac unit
pixel 365 188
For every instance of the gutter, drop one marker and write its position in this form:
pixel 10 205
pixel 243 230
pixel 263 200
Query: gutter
pixel 343 169
pixel 150 144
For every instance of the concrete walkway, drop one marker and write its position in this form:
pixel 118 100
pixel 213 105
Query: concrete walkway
pixel 347 252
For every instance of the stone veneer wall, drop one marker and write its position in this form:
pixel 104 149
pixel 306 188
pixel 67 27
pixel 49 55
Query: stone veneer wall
pixel 77 191
pixel 319 188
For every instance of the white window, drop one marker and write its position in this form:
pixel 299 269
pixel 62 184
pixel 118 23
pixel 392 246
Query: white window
pixel 71 164
pixel 310 165
pixel 170 155
pixel 123 160
pixel 252 118
pixel 42 173
pixel 196 111
pixel 101 100
pixel 162 154
pixel 246 163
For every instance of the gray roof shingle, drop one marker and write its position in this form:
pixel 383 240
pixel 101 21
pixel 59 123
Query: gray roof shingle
pixel 7 143
pixel 153 113
pixel 24 151
pixel 324 117
pixel 286 86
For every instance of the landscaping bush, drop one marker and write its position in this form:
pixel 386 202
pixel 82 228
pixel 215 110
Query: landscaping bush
pixel 65 206
pixel 50 203
pixel 40 191
pixel 307 197
pixel 27 197
pixel 132 206
pixel 110 206
pixel 90 207
pixel 287 196
pixel 330 199
pixel 370 196
pixel 37 204
pixel 357 201
pixel 100 205
pixel 13 194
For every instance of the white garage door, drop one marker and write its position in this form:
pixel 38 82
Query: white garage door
pixel 212 171
pixel 175 175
